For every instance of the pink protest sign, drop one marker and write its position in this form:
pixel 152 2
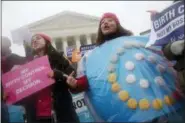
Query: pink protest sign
pixel 27 79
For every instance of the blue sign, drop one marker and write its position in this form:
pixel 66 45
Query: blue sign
pixel 85 48
pixel 168 26
pixel 70 51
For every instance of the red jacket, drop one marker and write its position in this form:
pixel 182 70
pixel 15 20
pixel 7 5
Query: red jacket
pixel 82 85
pixel 44 99
pixel 44 103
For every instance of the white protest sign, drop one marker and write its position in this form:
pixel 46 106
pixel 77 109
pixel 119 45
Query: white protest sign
pixel 79 103
pixel 168 25
pixel 20 35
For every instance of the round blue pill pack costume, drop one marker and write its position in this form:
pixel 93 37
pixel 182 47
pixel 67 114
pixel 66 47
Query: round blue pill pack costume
pixel 129 83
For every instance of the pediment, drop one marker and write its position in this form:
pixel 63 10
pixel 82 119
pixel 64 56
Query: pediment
pixel 65 20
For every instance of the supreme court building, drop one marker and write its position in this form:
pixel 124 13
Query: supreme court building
pixel 68 29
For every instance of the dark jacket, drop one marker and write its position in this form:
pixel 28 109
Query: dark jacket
pixel 180 64
pixel 7 64
pixel 13 59
pixel 62 99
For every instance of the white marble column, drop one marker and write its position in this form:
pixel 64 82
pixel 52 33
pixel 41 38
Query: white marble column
pixel 77 40
pixel 88 37
pixel 64 41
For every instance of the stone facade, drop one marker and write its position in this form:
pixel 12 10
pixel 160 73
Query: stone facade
pixel 68 29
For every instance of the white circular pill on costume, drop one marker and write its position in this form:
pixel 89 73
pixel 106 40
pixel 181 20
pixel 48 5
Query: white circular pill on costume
pixel 152 59
pixel 114 59
pixel 161 68
pixel 130 78
pixel 111 68
pixel 129 65
pixel 120 51
pixel 139 56
pixel 159 80
pixel 144 83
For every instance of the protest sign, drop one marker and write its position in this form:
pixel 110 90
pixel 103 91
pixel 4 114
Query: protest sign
pixel 85 48
pixel 81 108
pixel 168 25
pixel 21 35
pixel 79 103
pixel 69 51
pixel 27 79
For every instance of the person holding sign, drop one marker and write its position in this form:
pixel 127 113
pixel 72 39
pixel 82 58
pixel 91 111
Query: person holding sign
pixel 124 81
pixel 174 51
pixel 57 95
pixel 10 62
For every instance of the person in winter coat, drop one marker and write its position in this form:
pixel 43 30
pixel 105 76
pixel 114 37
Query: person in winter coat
pixel 174 51
pixel 109 28
pixel 57 96
pixel 9 62
pixel 9 59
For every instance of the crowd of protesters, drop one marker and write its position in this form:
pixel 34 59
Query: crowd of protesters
pixel 56 99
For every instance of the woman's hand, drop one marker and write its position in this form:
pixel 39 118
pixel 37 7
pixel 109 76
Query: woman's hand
pixel 71 81
pixel 51 74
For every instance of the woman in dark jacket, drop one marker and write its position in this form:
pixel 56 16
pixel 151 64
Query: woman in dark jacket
pixel 9 62
pixel 61 97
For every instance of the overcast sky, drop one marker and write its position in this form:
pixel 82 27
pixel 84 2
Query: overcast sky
pixel 132 14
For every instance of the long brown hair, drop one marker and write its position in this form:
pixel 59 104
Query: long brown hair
pixel 48 49
pixel 120 32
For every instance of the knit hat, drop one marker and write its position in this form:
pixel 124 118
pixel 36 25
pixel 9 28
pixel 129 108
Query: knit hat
pixel 110 15
pixel 46 37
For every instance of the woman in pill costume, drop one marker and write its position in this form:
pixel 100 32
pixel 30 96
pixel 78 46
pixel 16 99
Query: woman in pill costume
pixel 124 81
